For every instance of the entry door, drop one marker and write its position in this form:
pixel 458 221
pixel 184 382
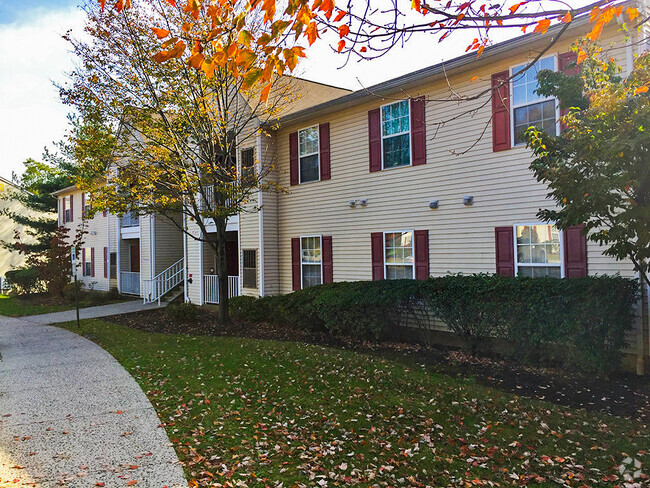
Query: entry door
pixel 135 258
pixel 232 258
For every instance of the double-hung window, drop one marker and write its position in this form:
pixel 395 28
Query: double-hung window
pixel 248 166
pixel 398 255
pixel 396 134
pixel 88 265
pixel 308 154
pixel 67 211
pixel 529 108
pixel 538 251
pixel 87 204
pixel 311 264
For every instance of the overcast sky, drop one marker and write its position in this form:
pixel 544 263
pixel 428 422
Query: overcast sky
pixel 33 55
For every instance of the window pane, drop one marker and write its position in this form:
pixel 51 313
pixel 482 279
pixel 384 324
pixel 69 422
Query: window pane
pixel 523 254
pixel 395 118
pixel 523 234
pixel 525 85
pixel 399 250
pixel 539 271
pixel 310 275
pixel 308 141
pixel 397 151
pixel 311 249
pixel 534 115
pixel 399 272
pixel 553 253
pixel 309 170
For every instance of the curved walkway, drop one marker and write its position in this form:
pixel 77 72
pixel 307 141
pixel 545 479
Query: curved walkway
pixel 70 415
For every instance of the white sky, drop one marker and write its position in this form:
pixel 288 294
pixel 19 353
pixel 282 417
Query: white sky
pixel 33 54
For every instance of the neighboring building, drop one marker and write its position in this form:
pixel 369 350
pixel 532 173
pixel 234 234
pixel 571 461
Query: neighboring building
pixel 126 253
pixel 399 180
pixel 12 259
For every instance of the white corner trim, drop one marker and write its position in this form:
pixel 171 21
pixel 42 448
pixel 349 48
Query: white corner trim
pixel 261 216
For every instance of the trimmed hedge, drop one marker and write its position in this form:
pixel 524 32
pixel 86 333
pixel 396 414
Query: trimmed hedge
pixel 584 319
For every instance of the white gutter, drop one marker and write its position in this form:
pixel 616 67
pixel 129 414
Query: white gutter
pixel 261 215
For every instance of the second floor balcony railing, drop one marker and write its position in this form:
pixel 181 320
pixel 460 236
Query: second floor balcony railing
pixel 130 219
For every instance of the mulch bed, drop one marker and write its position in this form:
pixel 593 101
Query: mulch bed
pixel 625 395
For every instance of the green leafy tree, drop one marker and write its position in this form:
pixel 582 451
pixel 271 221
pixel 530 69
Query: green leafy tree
pixel 598 168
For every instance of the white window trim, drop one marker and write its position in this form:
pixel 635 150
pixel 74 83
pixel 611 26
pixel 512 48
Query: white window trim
pixel 320 237
pixel 381 135
pixel 513 106
pixel 412 249
pixel 87 203
pixel 317 153
pixel 537 265
pixel 66 208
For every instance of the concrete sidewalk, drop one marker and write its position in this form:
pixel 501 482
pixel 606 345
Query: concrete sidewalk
pixel 92 312
pixel 71 415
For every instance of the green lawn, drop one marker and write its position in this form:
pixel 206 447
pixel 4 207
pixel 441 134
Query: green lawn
pixel 20 306
pixel 264 412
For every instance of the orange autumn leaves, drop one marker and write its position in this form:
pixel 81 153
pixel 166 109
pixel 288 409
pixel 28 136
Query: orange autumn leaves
pixel 256 54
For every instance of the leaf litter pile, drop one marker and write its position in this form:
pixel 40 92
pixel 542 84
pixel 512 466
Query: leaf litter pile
pixel 245 412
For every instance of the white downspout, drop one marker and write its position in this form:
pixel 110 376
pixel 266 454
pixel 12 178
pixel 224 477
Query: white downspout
pixel 200 278
pixel 185 260
pixel 119 254
pixel 261 216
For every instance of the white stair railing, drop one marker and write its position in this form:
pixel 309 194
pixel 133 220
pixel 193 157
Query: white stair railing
pixel 155 288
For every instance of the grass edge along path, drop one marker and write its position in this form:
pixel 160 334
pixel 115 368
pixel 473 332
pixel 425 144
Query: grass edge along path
pixel 15 306
pixel 244 412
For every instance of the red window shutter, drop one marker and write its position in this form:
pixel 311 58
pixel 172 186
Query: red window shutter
pixel 500 111
pixel 328 267
pixel 92 262
pixel 324 141
pixel 71 207
pixel 505 251
pixel 104 213
pixel 418 132
pixel 293 158
pixel 63 221
pixel 421 254
pixel 377 251
pixel 374 139
pixel 295 263
pixel 564 60
pixel 575 252
pixel 83 205
pixel 83 262
pixel 105 262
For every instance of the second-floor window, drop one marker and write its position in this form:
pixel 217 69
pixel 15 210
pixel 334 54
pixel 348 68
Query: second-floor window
pixel 67 211
pixel 248 165
pixel 86 204
pixel 529 108
pixel 308 154
pixel 396 134
pixel 88 265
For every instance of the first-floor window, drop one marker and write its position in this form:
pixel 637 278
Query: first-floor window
pixel 538 251
pixel 398 255
pixel 87 271
pixel 67 211
pixel 250 268
pixel 311 261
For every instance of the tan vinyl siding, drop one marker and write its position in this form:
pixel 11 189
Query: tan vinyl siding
pixel 270 221
pixel 249 220
pixel 194 262
pixel 168 243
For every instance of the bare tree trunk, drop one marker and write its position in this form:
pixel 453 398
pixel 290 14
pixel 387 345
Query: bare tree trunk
pixel 222 270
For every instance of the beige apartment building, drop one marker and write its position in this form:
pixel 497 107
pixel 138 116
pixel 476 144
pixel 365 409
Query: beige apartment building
pixel 422 175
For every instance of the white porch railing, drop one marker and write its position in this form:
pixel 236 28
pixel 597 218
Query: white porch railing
pixel 130 219
pixel 155 288
pixel 130 283
pixel 211 288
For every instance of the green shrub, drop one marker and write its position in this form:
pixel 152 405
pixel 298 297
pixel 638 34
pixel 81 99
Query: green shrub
pixel 585 319
pixel 25 280
pixel 182 312
pixel 251 308
pixel 69 291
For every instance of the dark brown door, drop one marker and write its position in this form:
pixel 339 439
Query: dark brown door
pixel 232 258
pixel 135 258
